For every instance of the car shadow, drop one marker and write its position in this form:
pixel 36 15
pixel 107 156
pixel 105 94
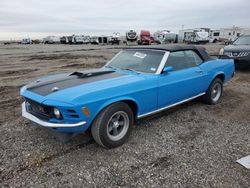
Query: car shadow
pixel 86 138
pixel 245 69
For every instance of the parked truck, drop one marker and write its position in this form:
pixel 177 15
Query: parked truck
pixel 145 38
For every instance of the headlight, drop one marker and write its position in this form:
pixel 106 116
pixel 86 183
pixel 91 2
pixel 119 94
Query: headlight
pixel 221 51
pixel 57 113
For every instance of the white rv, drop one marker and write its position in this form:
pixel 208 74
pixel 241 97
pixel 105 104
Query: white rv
pixel 131 36
pixel 64 39
pixel 51 40
pixel 165 36
pixel 94 40
pixel 227 35
pixel 198 36
pixel 115 38
pixel 26 41
pixel 100 40
pixel 80 39
pixel 214 36
pixel 231 34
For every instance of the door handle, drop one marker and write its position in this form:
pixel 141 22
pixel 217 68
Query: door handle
pixel 199 71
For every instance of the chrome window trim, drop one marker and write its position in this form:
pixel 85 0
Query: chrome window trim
pixel 163 62
pixel 112 58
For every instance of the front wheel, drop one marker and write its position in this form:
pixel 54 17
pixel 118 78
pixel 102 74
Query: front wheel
pixel 214 92
pixel 112 126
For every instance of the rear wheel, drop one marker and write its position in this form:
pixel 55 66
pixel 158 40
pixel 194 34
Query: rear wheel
pixel 112 126
pixel 214 92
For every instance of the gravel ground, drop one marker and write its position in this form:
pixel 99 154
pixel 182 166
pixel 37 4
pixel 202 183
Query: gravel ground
pixel 192 145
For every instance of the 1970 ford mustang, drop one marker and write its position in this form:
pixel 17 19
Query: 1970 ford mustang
pixel 137 82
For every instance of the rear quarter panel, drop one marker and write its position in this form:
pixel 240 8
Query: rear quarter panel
pixel 213 68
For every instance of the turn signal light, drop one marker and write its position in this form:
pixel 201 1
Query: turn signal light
pixel 85 111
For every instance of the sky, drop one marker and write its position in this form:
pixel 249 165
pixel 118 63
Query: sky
pixel 39 18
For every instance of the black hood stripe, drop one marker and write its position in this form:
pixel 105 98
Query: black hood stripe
pixel 64 81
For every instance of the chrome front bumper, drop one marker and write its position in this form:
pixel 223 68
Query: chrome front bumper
pixel 48 124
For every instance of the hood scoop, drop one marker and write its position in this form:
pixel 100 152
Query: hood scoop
pixel 85 75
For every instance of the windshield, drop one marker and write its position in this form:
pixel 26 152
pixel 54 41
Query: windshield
pixel 244 40
pixel 138 60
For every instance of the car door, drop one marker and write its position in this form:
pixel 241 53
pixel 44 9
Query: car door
pixel 184 82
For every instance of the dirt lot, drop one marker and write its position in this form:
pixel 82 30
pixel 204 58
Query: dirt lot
pixel 193 145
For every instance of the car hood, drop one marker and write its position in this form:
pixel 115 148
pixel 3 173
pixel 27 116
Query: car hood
pixel 69 86
pixel 237 48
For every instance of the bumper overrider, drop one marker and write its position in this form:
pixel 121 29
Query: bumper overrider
pixel 26 114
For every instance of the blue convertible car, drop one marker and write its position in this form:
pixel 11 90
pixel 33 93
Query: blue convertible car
pixel 136 83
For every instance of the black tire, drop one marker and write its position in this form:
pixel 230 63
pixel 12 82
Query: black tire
pixel 105 130
pixel 214 92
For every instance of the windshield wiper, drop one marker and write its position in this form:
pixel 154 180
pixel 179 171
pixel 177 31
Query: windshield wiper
pixel 115 68
pixel 78 74
pixel 109 66
pixel 132 70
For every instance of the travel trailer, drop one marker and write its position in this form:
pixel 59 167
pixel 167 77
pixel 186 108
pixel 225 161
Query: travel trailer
pixel 227 35
pixel 165 36
pixel 196 36
pixel 231 34
pixel 26 41
pixel 80 39
pixel 131 36
pixel 115 38
pixel 103 40
pixel 64 40
pixel 94 40
pixel 214 36
pixel 51 40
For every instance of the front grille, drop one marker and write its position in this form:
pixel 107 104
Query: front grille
pixel 40 111
pixel 237 54
pixel 45 112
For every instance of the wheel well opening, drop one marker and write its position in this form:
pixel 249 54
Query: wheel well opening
pixel 221 76
pixel 132 105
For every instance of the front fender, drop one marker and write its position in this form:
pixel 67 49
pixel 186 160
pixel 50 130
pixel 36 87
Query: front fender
pixel 111 101
pixel 95 108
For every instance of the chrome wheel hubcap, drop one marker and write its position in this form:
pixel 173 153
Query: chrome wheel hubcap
pixel 216 92
pixel 118 126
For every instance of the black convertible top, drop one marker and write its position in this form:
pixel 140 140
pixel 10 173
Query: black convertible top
pixel 201 51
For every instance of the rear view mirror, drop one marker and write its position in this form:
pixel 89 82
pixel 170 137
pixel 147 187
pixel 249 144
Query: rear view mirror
pixel 167 69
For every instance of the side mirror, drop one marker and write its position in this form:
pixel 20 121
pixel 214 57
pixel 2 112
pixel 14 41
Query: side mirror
pixel 167 69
